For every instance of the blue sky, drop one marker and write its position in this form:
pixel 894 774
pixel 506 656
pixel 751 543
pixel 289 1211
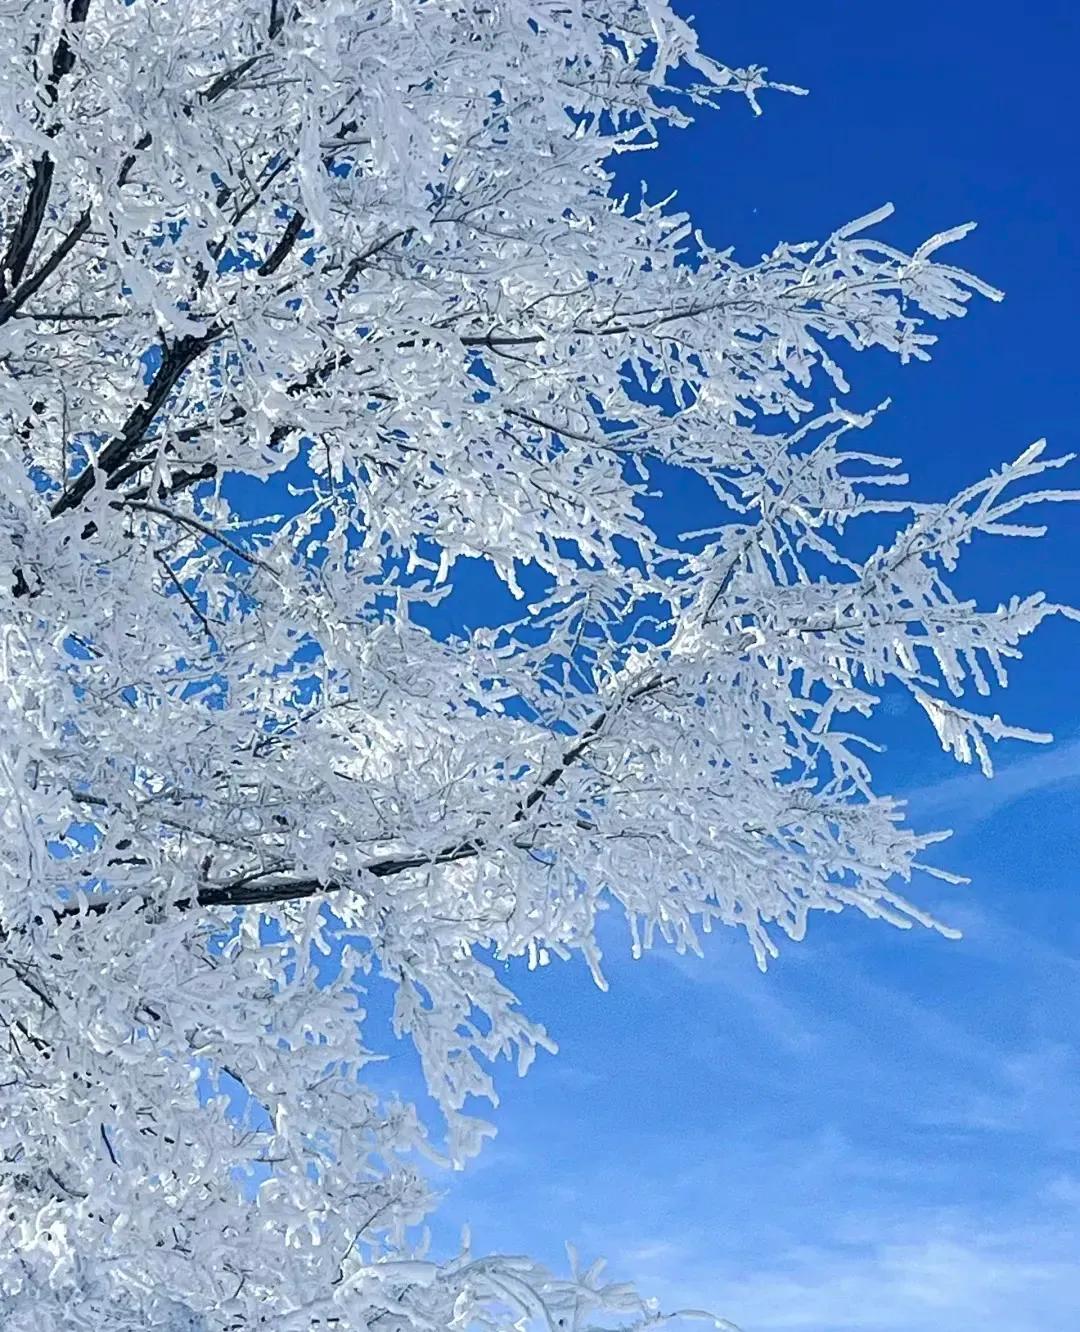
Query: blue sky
pixel 882 1132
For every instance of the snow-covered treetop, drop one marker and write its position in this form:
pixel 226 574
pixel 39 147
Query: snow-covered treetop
pixel 305 308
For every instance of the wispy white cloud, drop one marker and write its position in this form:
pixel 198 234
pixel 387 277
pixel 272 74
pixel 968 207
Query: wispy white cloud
pixel 969 797
pixel 949 1272
pixel 743 993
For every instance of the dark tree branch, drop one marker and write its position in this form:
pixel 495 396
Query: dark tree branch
pixel 117 461
pixel 10 305
pixel 129 161
pixel 360 262
pixel 63 61
pixel 501 340
pixel 250 891
pixel 68 316
pixel 317 375
pixel 587 738
pixel 182 480
pixel 263 889
pixel 108 1145
pixel 178 357
pixel 281 250
pixel 230 78
pixel 188 520
pixel 21 244
pixel 186 596
pixel 25 234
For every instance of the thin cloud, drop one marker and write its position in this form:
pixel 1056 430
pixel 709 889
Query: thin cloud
pixel 950 1273
pixel 970 798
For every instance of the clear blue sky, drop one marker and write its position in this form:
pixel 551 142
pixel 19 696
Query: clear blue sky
pixel 882 1132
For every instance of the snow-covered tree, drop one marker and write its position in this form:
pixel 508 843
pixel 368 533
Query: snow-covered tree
pixel 312 311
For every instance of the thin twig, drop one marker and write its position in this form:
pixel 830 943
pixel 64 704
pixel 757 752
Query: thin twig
pixel 186 596
pixel 108 1145
pixel 187 520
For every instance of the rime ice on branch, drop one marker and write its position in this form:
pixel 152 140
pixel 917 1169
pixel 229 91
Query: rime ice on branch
pixel 300 305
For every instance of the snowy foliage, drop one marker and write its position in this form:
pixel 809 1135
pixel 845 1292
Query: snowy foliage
pixel 311 313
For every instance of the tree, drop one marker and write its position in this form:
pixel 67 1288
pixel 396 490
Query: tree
pixel 311 313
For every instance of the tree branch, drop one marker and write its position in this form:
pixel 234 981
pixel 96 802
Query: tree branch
pixel 174 363
pixel 21 244
pixel 10 305
pixel 262 889
pixel 188 520
pixel 281 250
pixel 186 596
